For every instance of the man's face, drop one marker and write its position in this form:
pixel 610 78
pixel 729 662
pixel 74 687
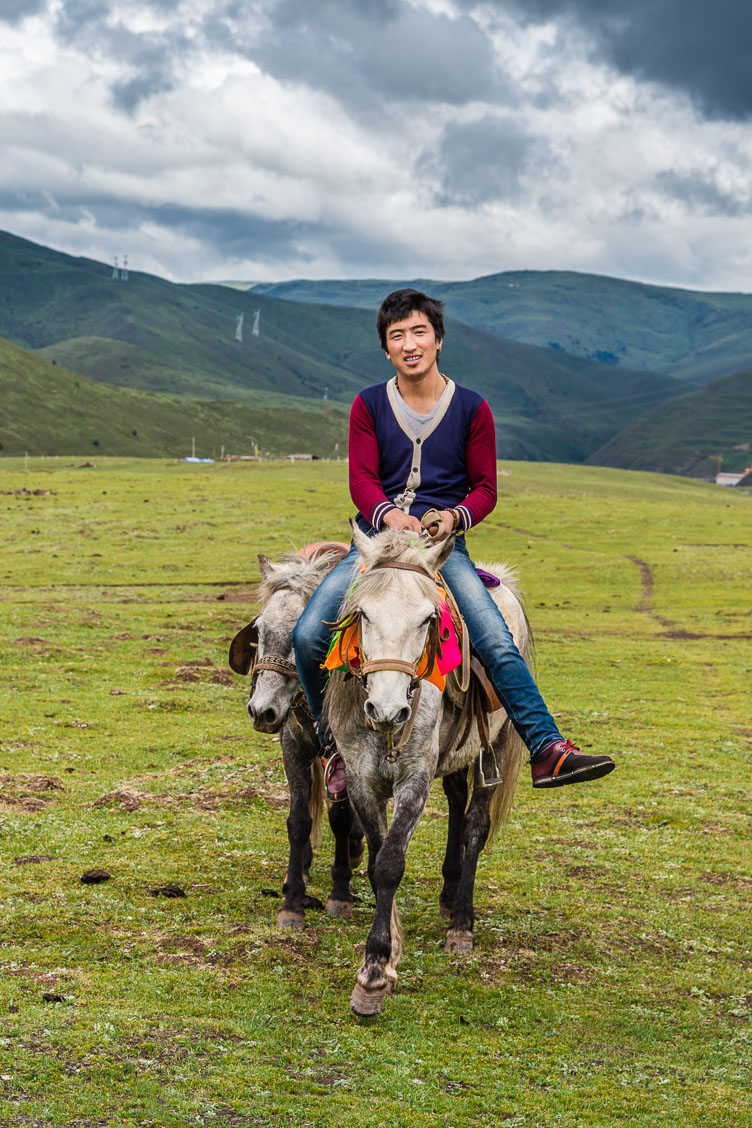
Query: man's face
pixel 412 347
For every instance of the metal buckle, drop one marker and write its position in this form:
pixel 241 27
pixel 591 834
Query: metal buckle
pixel 494 781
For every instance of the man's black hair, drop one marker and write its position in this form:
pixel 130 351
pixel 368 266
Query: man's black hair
pixel 401 303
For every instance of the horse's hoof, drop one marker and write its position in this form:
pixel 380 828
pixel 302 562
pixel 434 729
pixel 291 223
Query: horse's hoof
pixel 459 940
pixel 341 909
pixel 290 919
pixel 367 1003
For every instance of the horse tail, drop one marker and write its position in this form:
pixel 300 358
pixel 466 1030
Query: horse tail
pixel 316 803
pixel 503 796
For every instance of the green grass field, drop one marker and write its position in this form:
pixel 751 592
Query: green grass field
pixel 612 978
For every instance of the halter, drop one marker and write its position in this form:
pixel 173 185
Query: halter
pixel 398 665
pixel 244 660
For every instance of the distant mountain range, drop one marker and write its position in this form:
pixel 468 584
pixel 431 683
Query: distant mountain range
pixel 693 336
pixel 552 399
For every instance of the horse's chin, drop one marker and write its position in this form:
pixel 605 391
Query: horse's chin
pixel 260 725
pixel 388 728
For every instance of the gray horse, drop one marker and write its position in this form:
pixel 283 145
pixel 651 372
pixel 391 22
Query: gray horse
pixel 264 649
pixel 396 733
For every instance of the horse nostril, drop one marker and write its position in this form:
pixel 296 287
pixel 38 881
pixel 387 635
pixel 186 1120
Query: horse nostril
pixel 270 717
pixel 402 716
pixel 370 711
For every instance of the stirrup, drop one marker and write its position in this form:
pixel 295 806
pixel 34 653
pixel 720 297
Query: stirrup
pixel 494 780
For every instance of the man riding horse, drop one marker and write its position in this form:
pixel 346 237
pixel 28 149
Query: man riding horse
pixel 420 442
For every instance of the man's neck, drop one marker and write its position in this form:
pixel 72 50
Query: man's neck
pixel 423 393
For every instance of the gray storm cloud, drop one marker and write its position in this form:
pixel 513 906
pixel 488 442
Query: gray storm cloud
pixel 703 49
pixel 269 138
pixel 484 160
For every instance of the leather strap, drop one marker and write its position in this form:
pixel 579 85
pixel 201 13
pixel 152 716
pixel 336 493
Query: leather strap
pixel 277 665
pixel 396 664
pixel 401 566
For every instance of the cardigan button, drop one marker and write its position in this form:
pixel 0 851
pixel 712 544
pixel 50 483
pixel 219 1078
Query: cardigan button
pixel 417 440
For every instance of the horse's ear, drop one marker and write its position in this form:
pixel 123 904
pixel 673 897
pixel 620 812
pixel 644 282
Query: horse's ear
pixel 360 540
pixel 243 649
pixel 265 565
pixel 439 553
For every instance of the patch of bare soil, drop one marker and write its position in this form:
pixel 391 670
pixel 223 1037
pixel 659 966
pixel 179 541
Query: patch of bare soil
pixel 126 797
pixel 28 791
pixel 131 796
pixel 200 670
pixel 722 879
pixel 238 595
pixel 24 492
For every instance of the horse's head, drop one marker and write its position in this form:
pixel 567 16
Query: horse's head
pixel 398 606
pixel 264 647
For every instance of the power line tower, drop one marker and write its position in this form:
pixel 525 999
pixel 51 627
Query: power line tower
pixel 115 271
pixel 124 271
pixel 256 319
pixel 239 327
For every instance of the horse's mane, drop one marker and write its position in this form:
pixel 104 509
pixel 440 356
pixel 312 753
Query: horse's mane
pixel 391 544
pixel 301 574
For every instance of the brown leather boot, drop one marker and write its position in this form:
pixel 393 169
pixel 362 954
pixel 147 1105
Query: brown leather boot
pixel 562 762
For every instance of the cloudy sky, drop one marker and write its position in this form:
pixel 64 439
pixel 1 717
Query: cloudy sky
pixel 272 139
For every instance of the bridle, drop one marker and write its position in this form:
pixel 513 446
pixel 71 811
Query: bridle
pixel 398 665
pixel 244 660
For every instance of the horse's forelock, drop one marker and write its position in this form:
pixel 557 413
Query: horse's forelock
pixel 296 573
pixel 391 545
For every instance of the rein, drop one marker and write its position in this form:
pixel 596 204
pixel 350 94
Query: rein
pixel 398 665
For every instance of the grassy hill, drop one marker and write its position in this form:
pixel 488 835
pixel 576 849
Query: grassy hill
pixel 694 336
pixel 688 435
pixel 155 336
pixel 45 409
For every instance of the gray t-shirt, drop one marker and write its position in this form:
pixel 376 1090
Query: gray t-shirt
pixel 415 421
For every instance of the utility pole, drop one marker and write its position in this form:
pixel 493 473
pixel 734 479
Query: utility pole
pixel 124 271
pixel 115 271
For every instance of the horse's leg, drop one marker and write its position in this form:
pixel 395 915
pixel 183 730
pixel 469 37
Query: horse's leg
pixel 297 762
pixel 342 818
pixel 377 975
pixel 357 845
pixel 477 826
pixel 455 789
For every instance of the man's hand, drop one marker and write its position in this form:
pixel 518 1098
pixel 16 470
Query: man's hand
pixel 447 528
pixel 396 519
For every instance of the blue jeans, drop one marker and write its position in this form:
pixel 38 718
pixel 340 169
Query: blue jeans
pixel 489 634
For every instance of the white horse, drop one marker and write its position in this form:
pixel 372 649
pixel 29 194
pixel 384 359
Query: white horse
pixel 395 604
